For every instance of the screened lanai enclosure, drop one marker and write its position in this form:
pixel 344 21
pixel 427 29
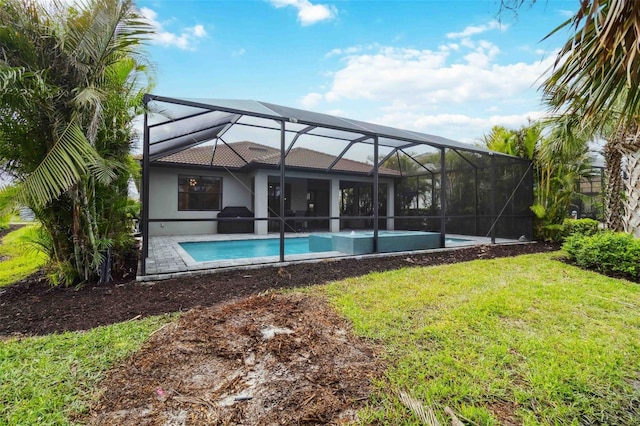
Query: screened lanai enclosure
pixel 252 174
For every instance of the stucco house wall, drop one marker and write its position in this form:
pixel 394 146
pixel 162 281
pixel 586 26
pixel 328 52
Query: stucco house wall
pixel 163 202
pixel 236 191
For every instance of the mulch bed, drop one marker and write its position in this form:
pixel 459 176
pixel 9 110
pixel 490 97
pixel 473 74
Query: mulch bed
pixel 32 308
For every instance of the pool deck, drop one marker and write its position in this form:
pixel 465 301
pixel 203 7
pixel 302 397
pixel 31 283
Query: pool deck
pixel 167 259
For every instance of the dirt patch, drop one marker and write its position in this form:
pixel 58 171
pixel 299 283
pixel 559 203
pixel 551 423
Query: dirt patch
pixel 505 411
pixel 32 308
pixel 269 359
pixel 12 227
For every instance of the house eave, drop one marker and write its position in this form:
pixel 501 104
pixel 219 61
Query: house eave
pixel 275 167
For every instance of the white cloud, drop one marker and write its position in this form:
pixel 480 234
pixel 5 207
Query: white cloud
pixel 467 42
pixel 337 112
pixel 199 31
pixel 478 29
pixel 425 77
pixel 482 56
pixel 459 89
pixel 350 50
pixel 308 13
pixel 537 51
pixel 238 52
pixel 566 13
pixel 454 90
pixel 186 40
pixel 311 100
pixel 455 126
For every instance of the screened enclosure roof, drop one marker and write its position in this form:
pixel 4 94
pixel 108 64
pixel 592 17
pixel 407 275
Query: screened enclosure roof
pixel 176 124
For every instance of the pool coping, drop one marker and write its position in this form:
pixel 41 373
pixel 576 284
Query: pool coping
pixel 167 259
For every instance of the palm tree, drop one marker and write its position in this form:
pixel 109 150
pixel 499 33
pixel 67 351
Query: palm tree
pixel 614 183
pixel 500 139
pixel 68 79
pixel 596 78
pixel 628 146
pixel 560 159
pixel 520 143
pixel 599 65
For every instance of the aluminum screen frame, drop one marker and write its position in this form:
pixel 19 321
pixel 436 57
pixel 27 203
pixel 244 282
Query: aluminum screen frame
pixel 175 124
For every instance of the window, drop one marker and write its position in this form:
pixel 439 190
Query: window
pixel 199 193
pixel 356 199
pixel 274 197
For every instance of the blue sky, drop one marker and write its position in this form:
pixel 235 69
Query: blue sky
pixel 450 68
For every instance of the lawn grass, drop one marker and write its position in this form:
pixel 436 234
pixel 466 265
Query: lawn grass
pixel 45 380
pixel 526 340
pixel 21 257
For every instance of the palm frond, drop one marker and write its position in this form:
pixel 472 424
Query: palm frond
pixel 423 412
pixel 8 198
pixel 18 84
pixel 104 170
pixel 103 33
pixel 600 63
pixel 60 169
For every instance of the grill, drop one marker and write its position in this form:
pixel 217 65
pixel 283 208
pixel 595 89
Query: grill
pixel 230 222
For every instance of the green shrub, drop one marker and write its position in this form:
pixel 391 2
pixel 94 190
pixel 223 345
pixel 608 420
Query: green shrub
pixel 585 227
pixel 557 233
pixel 610 253
pixel 552 233
pixel 5 219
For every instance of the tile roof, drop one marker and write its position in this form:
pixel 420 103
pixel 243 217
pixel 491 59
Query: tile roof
pixel 240 154
pixel 200 155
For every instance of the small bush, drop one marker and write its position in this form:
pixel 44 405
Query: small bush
pixel 557 233
pixel 610 253
pixel 552 233
pixel 4 220
pixel 586 227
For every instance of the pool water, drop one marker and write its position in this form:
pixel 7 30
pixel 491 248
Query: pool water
pixel 206 251
pixel 239 249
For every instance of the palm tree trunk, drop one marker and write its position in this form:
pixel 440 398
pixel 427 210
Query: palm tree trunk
pixel 78 238
pixel 82 233
pixel 630 149
pixel 632 191
pixel 614 184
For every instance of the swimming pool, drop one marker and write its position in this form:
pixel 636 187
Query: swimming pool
pixel 207 251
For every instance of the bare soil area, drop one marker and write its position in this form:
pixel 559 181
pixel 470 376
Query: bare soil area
pixel 265 360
